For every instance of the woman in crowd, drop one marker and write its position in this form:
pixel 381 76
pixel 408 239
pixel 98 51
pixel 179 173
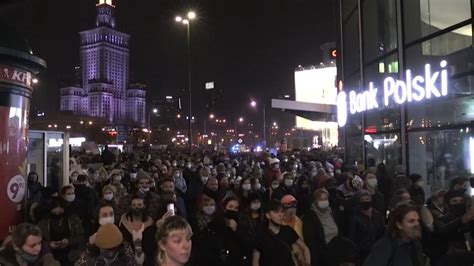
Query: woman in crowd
pixel 108 196
pixel 106 215
pixel 320 228
pixel 174 242
pixel 254 212
pixel 303 193
pixel 206 212
pixel 228 241
pixel 244 191
pixel 138 229
pixel 64 232
pixel 26 247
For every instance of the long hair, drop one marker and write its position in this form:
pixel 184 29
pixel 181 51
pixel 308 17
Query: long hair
pixel 172 223
pixel 396 217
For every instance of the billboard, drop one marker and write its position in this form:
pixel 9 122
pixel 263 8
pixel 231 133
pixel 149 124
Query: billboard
pixel 317 85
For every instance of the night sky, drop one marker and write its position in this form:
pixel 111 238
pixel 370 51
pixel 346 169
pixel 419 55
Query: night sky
pixel 250 48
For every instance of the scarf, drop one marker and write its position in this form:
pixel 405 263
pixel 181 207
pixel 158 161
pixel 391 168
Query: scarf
pixel 327 221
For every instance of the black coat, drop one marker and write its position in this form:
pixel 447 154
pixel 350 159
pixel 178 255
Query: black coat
pixel 313 234
pixel 394 252
pixel 218 245
pixel 365 231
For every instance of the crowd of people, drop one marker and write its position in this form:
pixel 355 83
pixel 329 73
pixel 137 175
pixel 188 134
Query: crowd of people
pixel 214 208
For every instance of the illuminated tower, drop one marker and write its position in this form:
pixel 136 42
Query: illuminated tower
pixel 105 65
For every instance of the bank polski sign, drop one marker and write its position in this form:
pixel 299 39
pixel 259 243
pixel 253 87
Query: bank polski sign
pixel 412 89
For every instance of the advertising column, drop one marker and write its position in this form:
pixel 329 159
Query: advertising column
pixel 17 68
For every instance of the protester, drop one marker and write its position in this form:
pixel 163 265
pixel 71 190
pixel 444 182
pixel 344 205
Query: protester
pixel 26 247
pixel 108 249
pixel 367 226
pixel 401 245
pixel 174 242
pixel 64 232
pixel 289 204
pixel 276 243
pixel 138 229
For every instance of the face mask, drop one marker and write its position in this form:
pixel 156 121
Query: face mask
pixel 258 186
pixel 70 198
pixel 188 166
pixel 365 205
pixel 414 233
pixel 229 214
pixel 177 175
pixel 255 206
pixel 204 179
pixel 133 175
pixel 288 182
pixel 137 211
pixel 144 190
pixel 420 183
pixel 174 164
pixel 246 187
pixel 74 178
pixel 117 178
pixel 209 210
pixel 372 182
pixel 458 209
pixel 108 196
pixel 28 258
pixel 275 186
pixel 323 204
pixel 106 220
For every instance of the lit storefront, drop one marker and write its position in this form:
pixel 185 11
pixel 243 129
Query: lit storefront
pixel 405 72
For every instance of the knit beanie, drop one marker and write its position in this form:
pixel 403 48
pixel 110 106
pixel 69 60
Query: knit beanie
pixel 108 237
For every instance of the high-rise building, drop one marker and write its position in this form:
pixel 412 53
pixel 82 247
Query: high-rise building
pixel 105 74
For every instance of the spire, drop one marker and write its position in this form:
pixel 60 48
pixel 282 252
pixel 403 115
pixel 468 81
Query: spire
pixel 105 13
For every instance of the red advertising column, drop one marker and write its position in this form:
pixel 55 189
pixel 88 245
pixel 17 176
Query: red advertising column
pixel 17 68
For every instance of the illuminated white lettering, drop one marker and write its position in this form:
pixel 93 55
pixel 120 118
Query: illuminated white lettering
pixel 413 88
pixel 16 75
pixel 430 83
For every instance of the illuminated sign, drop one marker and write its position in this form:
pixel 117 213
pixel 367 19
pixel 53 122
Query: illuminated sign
pixel 414 88
pixel 16 76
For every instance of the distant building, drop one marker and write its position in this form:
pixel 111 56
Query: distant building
pixel 105 90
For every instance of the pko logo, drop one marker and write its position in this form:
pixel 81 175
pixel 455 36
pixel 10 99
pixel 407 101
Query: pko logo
pixel 414 88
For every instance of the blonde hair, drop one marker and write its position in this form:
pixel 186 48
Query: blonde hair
pixel 171 224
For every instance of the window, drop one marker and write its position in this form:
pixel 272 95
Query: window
pixel 424 17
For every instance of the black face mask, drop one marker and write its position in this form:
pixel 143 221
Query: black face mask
pixel 365 206
pixel 231 215
pixel 137 212
pixel 458 209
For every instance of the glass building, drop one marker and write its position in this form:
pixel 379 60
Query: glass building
pixel 400 39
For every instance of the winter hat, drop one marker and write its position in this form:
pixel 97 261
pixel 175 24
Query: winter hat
pixel 415 177
pixel 108 237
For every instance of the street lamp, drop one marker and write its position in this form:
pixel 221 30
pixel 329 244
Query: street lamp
pixel 240 120
pixel 253 103
pixel 186 21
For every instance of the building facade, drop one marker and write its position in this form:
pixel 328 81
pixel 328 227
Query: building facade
pixel 406 68
pixel 104 55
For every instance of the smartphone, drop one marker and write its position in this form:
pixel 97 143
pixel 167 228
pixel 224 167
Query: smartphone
pixel 170 207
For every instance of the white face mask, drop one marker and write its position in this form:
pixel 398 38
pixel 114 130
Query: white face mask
pixel 108 196
pixel 209 210
pixel 258 186
pixel 144 189
pixel 288 182
pixel 255 206
pixel 133 175
pixel 275 186
pixel 106 220
pixel 204 179
pixel 74 178
pixel 70 198
pixel 420 183
pixel 246 187
pixel 372 182
pixel 323 204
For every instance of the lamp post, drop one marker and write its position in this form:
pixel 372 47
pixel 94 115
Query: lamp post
pixel 253 103
pixel 187 21
pixel 240 120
